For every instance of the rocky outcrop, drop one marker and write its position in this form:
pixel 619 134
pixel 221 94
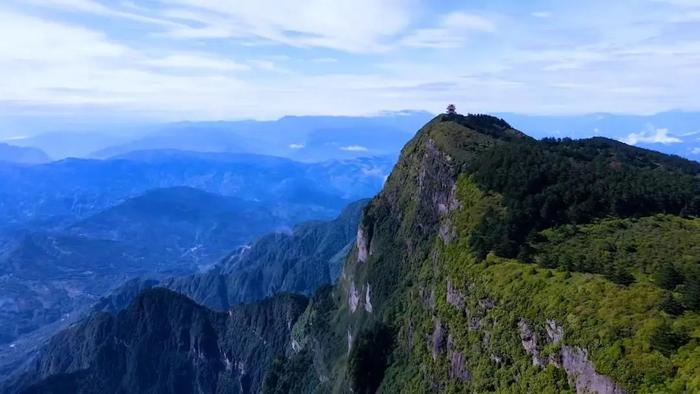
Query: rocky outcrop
pixel 529 341
pixel 582 373
pixel 454 296
pixel 363 244
pixel 437 340
pixel 579 369
pixel 353 297
pixel 458 362
pixel 368 301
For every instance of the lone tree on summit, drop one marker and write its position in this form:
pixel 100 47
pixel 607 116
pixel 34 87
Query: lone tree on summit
pixel 451 109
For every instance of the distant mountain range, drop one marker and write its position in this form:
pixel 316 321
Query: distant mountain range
pixel 316 138
pixel 58 193
pixel 22 155
pixel 305 138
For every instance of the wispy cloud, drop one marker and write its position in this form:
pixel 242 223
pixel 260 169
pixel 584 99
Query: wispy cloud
pixel 658 136
pixel 354 148
pixel 452 32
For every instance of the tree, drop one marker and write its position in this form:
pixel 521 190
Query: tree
pixel 668 277
pixel 691 290
pixel 369 357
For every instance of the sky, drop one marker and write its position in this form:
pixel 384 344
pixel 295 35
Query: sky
pixel 215 59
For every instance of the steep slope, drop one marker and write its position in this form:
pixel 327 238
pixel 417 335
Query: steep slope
pixel 164 342
pixel 301 261
pixel 432 300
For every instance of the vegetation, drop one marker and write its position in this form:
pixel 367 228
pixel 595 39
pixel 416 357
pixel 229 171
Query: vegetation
pixel 608 225
pixel 368 358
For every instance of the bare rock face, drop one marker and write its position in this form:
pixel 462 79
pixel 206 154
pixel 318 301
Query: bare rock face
pixel 362 244
pixel 368 302
pixel 437 340
pixel 529 341
pixel 458 362
pixel 353 298
pixel 555 333
pixel 582 373
pixel 454 296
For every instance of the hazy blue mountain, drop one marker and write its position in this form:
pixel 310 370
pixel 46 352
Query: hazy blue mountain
pixel 22 155
pixel 305 138
pixel 61 192
pixel 300 261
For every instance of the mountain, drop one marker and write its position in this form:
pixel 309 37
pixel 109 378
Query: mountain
pixel 22 155
pixel 305 138
pixel 59 193
pixel 164 342
pixel 50 278
pixel 472 272
pixel 185 224
pixel 300 261
pixel 494 262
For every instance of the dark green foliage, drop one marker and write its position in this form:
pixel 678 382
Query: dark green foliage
pixel 691 290
pixel 668 277
pixel 620 276
pixel 551 182
pixel 368 358
pixel 671 306
pixel 662 247
pixel 666 341
pixel 287 377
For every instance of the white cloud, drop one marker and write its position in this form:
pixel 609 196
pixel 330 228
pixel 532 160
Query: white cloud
pixel 454 30
pixel 354 148
pixel 695 151
pixel 659 136
pixel 296 146
pixel 348 25
pixel 196 61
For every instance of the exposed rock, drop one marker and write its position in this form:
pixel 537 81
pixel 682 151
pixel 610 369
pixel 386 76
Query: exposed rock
pixel 458 362
pixel 362 244
pixel 447 231
pixel 349 341
pixel 454 296
pixel 487 303
pixel 353 298
pixel 582 373
pixel 368 302
pixel 474 324
pixel 458 366
pixel 529 341
pixel 437 340
pixel 555 333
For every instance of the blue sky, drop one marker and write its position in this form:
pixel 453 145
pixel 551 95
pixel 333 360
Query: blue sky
pixel 209 59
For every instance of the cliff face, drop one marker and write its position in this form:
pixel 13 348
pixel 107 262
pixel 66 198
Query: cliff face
pixel 164 342
pixel 434 266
